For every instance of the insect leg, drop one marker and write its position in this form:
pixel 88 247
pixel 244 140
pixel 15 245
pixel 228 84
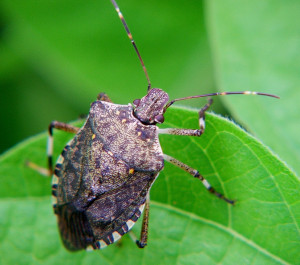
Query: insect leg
pixel 60 126
pixel 57 125
pixel 144 232
pixel 190 132
pixel 197 175
pixel 43 171
pixel 103 97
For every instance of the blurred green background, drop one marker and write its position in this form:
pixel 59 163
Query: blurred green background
pixel 56 56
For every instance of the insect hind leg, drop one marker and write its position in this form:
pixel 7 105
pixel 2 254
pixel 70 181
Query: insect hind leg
pixel 142 241
pixel 144 231
pixel 195 173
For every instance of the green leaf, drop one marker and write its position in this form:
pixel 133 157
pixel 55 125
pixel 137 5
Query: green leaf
pixel 187 224
pixel 256 47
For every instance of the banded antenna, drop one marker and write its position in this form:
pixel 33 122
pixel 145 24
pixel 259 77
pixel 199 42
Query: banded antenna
pixel 178 99
pixel 220 94
pixel 132 41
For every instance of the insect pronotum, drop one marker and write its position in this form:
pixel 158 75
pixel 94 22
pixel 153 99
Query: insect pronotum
pixel 102 179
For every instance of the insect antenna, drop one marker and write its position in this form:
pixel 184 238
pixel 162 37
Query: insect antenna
pixel 220 94
pixel 132 41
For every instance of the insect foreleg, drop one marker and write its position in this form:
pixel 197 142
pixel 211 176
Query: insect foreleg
pixel 195 173
pixel 190 132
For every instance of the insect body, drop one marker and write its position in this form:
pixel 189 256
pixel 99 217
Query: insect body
pixel 102 179
pixel 103 176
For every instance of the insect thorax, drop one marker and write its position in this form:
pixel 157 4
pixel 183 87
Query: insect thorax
pixel 125 136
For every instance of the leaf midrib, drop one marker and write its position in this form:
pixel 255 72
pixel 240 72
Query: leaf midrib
pixel 218 226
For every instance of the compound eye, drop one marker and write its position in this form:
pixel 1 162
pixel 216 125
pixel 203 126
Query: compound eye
pixel 159 118
pixel 136 102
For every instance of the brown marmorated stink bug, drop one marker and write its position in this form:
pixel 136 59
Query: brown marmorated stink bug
pixel 102 179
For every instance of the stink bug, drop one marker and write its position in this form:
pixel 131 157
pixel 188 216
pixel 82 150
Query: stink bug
pixel 102 179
